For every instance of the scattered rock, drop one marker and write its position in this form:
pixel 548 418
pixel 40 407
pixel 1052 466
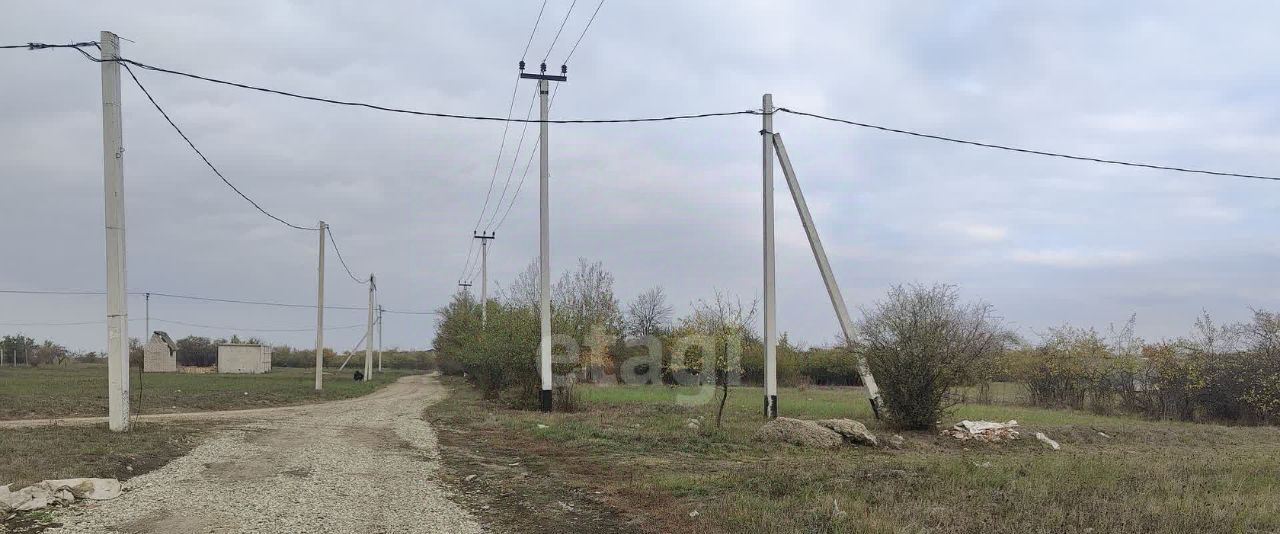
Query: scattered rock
pixel 852 431
pixel 694 513
pixel 469 478
pixel 1045 439
pixel 798 432
pixel 983 464
pixel 540 425
pixel 896 442
pixel 1103 434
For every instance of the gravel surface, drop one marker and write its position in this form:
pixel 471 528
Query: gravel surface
pixel 362 465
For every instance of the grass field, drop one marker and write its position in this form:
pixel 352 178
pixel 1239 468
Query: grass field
pixel 631 445
pixel 80 390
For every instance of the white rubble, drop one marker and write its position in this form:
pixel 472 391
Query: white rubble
pixel 62 491
pixel 1045 439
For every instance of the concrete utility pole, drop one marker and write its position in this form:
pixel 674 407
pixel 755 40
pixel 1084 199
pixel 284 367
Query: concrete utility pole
pixel 320 310
pixel 147 321
pixel 379 338
pixel 770 290
pixel 113 182
pixel 484 276
pixel 368 343
pixel 544 225
pixel 824 267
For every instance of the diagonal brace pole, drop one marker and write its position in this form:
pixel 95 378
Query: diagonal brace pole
pixel 833 288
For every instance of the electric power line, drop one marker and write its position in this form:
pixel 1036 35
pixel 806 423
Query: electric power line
pixel 202 156
pixel 557 37
pixel 377 107
pixel 584 33
pixel 39 46
pixel 208 299
pixel 514 160
pixel 527 166
pixel 1028 150
pixel 534 31
pixel 232 328
pixel 329 230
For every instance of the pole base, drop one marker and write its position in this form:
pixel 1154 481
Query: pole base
pixel 771 406
pixel 544 398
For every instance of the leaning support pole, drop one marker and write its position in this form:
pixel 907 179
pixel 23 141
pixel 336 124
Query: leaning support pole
pixel 113 181
pixel 820 254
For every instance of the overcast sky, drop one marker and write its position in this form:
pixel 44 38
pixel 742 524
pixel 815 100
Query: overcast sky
pixel 675 204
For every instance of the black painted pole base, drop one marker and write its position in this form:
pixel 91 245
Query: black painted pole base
pixel 771 406
pixel 544 396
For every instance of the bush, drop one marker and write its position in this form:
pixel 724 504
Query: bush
pixel 920 342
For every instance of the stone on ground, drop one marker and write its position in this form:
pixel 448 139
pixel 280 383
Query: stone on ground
pixel 852 431
pixel 798 432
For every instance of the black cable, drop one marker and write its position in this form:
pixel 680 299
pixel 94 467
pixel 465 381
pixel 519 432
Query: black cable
pixel 1027 150
pixel 232 328
pixel 39 46
pixel 421 113
pixel 199 298
pixel 51 292
pixel 557 37
pixel 202 156
pixel 329 230
pixel 376 107
pixel 584 33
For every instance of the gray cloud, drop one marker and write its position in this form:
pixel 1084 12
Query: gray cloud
pixel 676 204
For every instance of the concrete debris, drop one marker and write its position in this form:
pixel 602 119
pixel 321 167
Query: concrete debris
pixel 984 431
pixel 51 492
pixel 852 431
pixel 540 426
pixel 798 432
pixel 1045 439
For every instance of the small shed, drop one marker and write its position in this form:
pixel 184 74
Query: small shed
pixel 244 358
pixel 160 354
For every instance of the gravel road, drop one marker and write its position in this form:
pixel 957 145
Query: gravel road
pixel 365 465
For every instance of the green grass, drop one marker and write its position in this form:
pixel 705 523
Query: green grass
pixel 80 390
pixel 49 452
pixel 632 444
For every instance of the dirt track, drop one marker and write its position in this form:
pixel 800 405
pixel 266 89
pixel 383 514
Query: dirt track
pixel 358 465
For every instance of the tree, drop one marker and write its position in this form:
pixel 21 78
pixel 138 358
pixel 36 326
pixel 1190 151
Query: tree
pixel 726 323
pixel 197 351
pixel 922 341
pixel 457 327
pixel 584 308
pixel 18 347
pixel 523 291
pixel 648 314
